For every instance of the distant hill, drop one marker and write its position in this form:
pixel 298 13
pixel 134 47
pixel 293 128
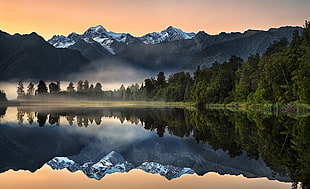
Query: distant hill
pixel 31 57
pixel 202 50
pixel 250 42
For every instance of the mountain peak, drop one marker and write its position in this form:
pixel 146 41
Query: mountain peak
pixel 171 28
pixel 97 31
pixel 169 34
pixel 98 28
pixel 113 42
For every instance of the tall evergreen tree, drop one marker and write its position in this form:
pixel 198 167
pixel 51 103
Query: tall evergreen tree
pixel 30 89
pixel 70 87
pixel 91 88
pixel 161 80
pixel 54 88
pixel 42 88
pixel 80 86
pixel 85 85
pixel 20 89
pixel 98 87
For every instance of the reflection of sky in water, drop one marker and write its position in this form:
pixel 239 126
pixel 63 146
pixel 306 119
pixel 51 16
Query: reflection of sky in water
pixel 10 115
pixel 137 179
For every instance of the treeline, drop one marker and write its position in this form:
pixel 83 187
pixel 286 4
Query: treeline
pixel 280 75
pixel 82 90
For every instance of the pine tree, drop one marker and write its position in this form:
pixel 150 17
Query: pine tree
pixel 20 89
pixel 98 87
pixel 85 85
pixel 161 80
pixel 42 88
pixel 80 86
pixel 30 89
pixel 70 87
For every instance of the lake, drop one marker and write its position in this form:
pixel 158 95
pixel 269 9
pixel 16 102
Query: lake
pixel 143 147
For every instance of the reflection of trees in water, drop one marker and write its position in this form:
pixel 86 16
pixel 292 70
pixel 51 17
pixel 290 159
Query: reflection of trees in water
pixel 2 111
pixel 20 117
pixel 97 120
pixel 30 117
pixel 54 118
pixel 282 141
pixel 70 119
pixel 42 117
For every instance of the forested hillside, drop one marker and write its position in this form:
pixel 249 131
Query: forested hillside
pixel 280 75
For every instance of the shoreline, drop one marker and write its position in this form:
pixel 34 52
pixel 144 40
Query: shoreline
pixel 291 108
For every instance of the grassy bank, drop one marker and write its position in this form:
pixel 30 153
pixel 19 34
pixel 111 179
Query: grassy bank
pixel 90 103
pixel 291 108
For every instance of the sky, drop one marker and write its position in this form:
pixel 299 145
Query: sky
pixel 138 17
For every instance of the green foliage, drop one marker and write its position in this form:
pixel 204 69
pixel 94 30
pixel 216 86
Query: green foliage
pixel 215 84
pixel 248 79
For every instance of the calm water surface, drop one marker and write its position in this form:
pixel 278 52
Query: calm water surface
pixel 125 147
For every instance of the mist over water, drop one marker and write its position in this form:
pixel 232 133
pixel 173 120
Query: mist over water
pixel 112 72
pixel 111 75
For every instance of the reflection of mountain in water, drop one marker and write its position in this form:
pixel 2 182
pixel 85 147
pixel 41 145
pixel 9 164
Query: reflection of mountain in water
pixel 169 156
pixel 114 162
pixel 181 141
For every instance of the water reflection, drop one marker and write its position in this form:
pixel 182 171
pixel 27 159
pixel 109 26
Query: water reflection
pixel 181 141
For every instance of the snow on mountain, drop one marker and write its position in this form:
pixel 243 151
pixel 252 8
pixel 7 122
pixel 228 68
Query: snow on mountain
pixel 60 41
pixel 98 34
pixel 169 34
pixel 113 162
pixel 114 42
pixel 168 171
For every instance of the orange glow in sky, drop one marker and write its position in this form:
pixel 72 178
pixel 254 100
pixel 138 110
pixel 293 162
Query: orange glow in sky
pixel 63 179
pixel 49 17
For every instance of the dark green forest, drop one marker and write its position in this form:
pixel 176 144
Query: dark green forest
pixel 281 75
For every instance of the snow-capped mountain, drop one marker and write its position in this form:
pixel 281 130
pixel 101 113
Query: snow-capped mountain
pixel 168 171
pixel 169 34
pixel 60 41
pixel 114 162
pixel 113 42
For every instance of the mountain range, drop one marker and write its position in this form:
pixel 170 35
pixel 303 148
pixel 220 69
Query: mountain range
pixel 171 157
pixel 31 57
